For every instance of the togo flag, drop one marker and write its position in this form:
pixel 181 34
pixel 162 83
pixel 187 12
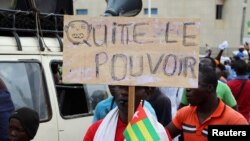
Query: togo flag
pixel 144 127
pixel 248 27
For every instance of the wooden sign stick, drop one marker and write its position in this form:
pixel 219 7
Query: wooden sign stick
pixel 131 102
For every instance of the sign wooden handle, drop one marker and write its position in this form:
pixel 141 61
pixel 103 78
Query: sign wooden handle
pixel 131 102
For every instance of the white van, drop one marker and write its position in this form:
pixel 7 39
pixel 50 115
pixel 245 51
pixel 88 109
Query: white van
pixel 27 66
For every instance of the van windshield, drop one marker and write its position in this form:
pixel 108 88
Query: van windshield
pixel 25 83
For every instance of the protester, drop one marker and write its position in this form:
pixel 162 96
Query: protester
pixel 113 125
pixel 97 96
pixel 222 90
pixel 240 88
pixel 103 107
pixel 240 53
pixel 205 109
pixel 106 105
pixel 161 104
pixel 221 71
pixel 23 124
pixel 231 73
pixel 6 108
pixel 174 95
pixel 56 73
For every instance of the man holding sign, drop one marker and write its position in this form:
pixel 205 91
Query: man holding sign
pixel 112 127
pixel 126 53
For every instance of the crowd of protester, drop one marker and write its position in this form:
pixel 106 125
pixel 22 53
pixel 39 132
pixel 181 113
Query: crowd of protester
pixel 222 97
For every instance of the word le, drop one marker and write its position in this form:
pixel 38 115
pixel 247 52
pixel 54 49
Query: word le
pixel 128 62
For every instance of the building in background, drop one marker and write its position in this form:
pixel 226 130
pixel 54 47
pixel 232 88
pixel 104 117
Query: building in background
pixel 220 19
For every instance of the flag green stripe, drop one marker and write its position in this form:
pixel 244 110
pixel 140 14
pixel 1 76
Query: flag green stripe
pixel 144 131
pixel 151 129
pixel 129 134
pixel 138 132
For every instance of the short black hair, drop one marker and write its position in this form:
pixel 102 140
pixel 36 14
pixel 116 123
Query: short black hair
pixel 240 67
pixel 212 63
pixel 208 75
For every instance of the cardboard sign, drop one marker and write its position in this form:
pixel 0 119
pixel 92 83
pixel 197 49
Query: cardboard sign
pixel 131 51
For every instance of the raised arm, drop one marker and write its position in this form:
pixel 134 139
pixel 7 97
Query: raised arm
pixel 218 57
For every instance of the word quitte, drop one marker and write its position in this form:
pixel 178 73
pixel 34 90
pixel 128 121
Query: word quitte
pixel 179 66
pixel 104 34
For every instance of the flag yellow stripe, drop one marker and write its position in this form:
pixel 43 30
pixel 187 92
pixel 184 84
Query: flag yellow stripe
pixel 131 133
pixel 144 131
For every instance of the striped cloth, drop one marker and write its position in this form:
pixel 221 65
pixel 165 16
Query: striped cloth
pixel 144 127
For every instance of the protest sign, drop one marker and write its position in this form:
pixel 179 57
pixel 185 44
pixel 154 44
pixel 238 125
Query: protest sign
pixel 131 51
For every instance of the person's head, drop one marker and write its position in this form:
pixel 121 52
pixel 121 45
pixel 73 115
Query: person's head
pixel 240 67
pixel 206 90
pixel 97 96
pixel 54 68
pixel 241 48
pixel 221 71
pixel 23 124
pixel 120 94
pixel 207 61
pixel 227 62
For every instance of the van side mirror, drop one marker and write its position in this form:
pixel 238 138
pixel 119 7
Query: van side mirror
pixel 126 8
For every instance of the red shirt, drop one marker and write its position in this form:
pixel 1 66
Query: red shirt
pixel 89 136
pixel 243 101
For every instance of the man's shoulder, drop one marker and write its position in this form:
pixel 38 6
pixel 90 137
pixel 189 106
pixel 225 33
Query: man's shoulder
pixel 237 117
pixel 187 110
pixel 95 125
pixel 162 96
pixel 106 102
pixel 92 130
pixel 222 87
pixel 6 103
pixel 221 84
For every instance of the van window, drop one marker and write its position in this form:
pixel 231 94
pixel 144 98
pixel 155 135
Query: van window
pixel 25 83
pixel 74 99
